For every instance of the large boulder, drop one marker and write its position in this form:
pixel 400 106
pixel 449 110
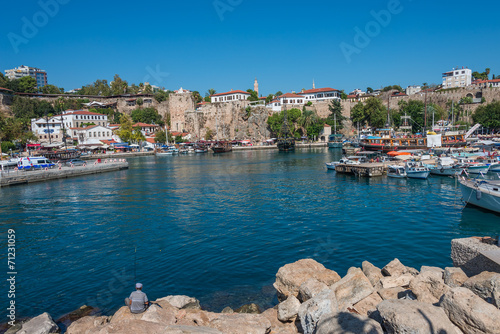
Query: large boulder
pixel 310 288
pixel 164 314
pixel 428 286
pixel 395 281
pixel 251 308
pixel 42 324
pixel 288 309
pixel 368 305
pixel 374 274
pixel 278 327
pixel 291 276
pixel 469 312
pixel 454 277
pixel 394 268
pixel 87 325
pixel 324 303
pixel 66 320
pixel 348 323
pixel 409 316
pixel 352 288
pixel 182 302
pixel 486 285
pixel 391 293
pixel 241 323
pixel 438 272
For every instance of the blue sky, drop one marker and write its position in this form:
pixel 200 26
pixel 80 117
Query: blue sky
pixel 225 44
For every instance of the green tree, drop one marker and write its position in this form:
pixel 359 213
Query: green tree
pixel 51 89
pixel 161 96
pixel 253 95
pixel 488 115
pixel 369 90
pixel 269 98
pixel 375 112
pixel 98 88
pixel 335 108
pixel 27 85
pixel 209 134
pixel 197 97
pixel 118 86
pixel 211 92
pixel 415 109
pixel 138 137
pixel 147 115
pixel 308 118
pixel 343 95
pixel 148 89
pixel 358 114
pixel 139 101
pixel 126 128
pixel 3 81
pixel 160 137
pixel 278 93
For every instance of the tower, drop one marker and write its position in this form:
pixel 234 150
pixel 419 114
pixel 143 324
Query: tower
pixel 256 86
pixel 314 87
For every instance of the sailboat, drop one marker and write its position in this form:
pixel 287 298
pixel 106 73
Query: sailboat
pixel 287 142
pixel 169 150
pixel 220 146
pixel 335 140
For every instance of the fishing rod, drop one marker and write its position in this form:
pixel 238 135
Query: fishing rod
pixel 135 264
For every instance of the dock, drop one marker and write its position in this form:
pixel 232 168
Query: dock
pixel 17 177
pixel 366 169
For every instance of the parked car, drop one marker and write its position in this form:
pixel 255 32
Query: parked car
pixel 75 162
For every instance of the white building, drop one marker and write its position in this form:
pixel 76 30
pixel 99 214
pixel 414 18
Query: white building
pixel 486 83
pixel 78 118
pixel 291 98
pixel 25 71
pixel 457 78
pixel 275 105
pixel 91 134
pixel 234 95
pixel 410 90
pixel 47 129
pixel 146 129
pixel 320 94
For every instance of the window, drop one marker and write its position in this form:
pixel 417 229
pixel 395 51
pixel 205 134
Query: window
pixel 107 133
pixel 94 134
pixel 90 134
pixel 99 134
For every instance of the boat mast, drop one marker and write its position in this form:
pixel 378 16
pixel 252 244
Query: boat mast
pixel 335 122
pixel 166 132
pixel 217 123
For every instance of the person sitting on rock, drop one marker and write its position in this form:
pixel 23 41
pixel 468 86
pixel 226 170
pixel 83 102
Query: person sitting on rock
pixel 138 301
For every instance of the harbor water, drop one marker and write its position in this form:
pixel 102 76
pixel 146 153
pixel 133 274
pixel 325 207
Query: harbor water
pixel 218 228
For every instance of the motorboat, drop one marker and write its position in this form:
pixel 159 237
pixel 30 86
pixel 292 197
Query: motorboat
pixel 482 193
pixel 416 170
pixel 168 151
pixel 446 166
pixel 396 171
pixel 474 167
pixel 343 161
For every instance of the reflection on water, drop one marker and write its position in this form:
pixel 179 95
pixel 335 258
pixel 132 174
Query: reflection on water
pixel 218 227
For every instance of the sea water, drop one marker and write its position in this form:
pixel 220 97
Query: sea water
pixel 218 228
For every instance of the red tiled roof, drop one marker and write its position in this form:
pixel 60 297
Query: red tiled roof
pixel 262 98
pixel 351 96
pixel 150 140
pixel 232 92
pixel 144 125
pixel 1 88
pixel 319 90
pixel 327 126
pixel 398 94
pixel 275 101
pixel 83 112
pixel 108 142
pixel 288 95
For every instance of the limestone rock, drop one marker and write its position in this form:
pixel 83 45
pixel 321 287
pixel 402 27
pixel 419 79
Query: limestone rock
pixel 348 323
pixel 241 323
pixel 390 293
pixel 324 303
pixel 438 272
pixel 278 327
pixel 394 281
pixel 310 288
pixel 373 273
pixel 428 286
pixel 87 325
pixel 407 316
pixel 288 309
pixel 486 285
pixel 42 324
pixel 164 315
pixel 368 305
pixel 394 268
pixel 412 271
pixel 291 276
pixel 352 288
pixel 73 316
pixel 454 277
pixel 190 330
pixel 469 312
pixel 251 308
pixel 182 302
pixel 227 309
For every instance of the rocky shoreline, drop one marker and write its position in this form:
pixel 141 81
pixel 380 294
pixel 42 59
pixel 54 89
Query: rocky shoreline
pixel 316 300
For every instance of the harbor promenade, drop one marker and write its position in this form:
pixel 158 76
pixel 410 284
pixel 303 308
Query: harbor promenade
pixel 16 177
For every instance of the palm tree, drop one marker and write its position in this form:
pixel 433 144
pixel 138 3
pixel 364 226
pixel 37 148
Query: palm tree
pixel 308 118
pixel 211 92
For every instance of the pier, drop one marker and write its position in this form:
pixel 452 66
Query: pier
pixel 16 177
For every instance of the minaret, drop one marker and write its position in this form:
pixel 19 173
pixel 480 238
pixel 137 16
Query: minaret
pixel 314 87
pixel 256 86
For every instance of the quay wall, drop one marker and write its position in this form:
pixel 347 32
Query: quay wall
pixel 12 177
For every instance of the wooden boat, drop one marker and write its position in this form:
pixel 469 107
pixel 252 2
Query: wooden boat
pixel 413 143
pixel 335 140
pixel 62 155
pixel 482 193
pixel 222 147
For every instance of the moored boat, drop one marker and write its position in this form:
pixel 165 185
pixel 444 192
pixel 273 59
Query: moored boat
pixel 222 147
pixel 416 170
pixel 482 193
pixel 335 141
pixel 396 171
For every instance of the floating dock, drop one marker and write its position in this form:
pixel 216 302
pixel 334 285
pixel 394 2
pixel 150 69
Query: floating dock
pixel 16 177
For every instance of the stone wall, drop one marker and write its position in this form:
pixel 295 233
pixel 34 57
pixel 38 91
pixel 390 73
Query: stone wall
pixel 5 102
pixel 178 104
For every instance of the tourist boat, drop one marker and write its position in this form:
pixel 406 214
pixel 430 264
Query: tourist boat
pixel 335 141
pixel 482 193
pixel 474 167
pixel 222 147
pixel 200 149
pixel 377 143
pixel 287 142
pixel 172 150
pixel 61 155
pixel 345 161
pixel 416 170
pixel 445 166
pixel 396 172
